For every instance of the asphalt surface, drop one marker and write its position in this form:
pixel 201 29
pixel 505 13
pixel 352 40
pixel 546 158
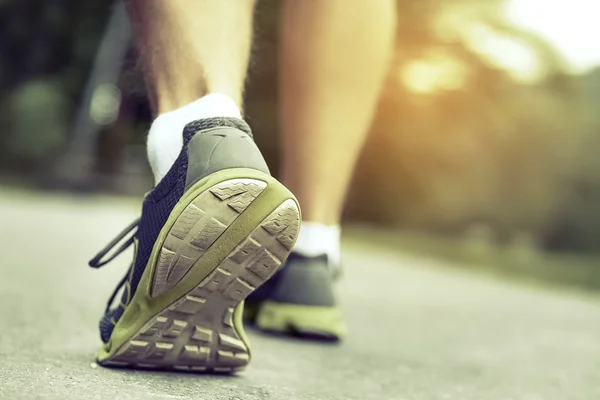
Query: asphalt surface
pixel 418 330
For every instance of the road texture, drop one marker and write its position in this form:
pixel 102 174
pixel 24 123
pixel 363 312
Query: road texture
pixel 419 330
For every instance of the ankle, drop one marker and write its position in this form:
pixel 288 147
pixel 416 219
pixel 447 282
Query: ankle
pixel 316 239
pixel 165 138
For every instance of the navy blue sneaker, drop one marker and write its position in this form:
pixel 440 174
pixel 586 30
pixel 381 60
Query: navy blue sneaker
pixel 211 232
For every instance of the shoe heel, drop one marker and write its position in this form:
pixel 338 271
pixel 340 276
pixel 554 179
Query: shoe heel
pixel 201 330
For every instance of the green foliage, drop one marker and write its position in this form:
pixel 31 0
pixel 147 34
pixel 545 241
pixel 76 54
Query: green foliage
pixel 37 121
pixel 491 152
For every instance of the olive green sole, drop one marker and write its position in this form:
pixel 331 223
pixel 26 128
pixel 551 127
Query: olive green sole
pixel 227 235
pixel 315 322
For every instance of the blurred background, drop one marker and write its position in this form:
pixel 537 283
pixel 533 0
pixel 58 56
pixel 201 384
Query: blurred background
pixel 484 147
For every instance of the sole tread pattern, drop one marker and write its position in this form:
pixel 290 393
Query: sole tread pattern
pixel 196 332
pixel 198 226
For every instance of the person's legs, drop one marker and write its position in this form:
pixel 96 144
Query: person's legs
pixel 334 58
pixel 216 226
pixel 190 49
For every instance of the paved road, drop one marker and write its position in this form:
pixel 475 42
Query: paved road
pixel 419 331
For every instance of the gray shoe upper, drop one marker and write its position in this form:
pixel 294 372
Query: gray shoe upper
pixel 220 148
pixel 302 281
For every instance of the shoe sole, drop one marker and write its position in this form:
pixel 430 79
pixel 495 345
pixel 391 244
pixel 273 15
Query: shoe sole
pixel 314 322
pixel 228 235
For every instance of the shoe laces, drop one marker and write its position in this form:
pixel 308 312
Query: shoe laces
pixel 127 238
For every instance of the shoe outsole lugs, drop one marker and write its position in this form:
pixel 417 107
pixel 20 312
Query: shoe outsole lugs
pixel 222 241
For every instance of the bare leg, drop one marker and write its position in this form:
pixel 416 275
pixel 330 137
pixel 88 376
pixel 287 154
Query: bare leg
pixel 195 56
pixel 334 59
pixel 192 47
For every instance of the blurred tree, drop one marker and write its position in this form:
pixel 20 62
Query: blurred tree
pixel 489 149
pixel 46 48
pixel 469 147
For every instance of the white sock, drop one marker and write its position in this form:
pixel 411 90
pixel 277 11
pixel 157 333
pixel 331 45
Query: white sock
pixel 165 138
pixel 316 239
